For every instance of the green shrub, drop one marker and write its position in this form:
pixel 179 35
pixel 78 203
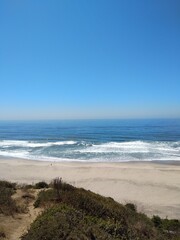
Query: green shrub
pixel 166 224
pixel 131 206
pixel 157 221
pixel 112 218
pixel 45 197
pixel 28 186
pixel 7 204
pixel 37 203
pixel 40 185
pixel 168 227
pixel 82 214
pixel 64 222
pixel 58 183
pixel 171 225
pixel 6 184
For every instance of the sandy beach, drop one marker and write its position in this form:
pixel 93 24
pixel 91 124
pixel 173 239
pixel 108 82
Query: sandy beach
pixel 153 187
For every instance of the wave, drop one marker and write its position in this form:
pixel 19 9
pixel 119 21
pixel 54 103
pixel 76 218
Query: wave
pixel 89 152
pixel 133 147
pixel 26 155
pixel 15 153
pixel 13 143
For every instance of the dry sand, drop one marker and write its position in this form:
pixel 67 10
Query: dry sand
pixel 153 187
pixel 16 225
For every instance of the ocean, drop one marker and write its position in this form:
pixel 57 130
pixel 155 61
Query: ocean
pixel 92 140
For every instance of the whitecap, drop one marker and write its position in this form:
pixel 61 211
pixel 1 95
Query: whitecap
pixel 14 143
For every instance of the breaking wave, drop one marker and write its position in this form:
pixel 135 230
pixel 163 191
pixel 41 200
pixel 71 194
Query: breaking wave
pixel 92 152
pixel 31 144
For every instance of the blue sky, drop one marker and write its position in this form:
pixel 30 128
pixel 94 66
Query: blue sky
pixel 89 59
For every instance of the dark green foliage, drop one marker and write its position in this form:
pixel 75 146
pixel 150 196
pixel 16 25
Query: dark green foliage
pixel 157 221
pixel 82 214
pixel 40 185
pixel 7 204
pixel 28 186
pixel 53 195
pixel 87 201
pixel 63 222
pixel 105 216
pixel 57 183
pixel 169 226
pixel 131 206
pixel 45 197
pixel 7 184
pixel 36 203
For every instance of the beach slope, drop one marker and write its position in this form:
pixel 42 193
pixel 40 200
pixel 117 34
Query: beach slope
pixel 153 187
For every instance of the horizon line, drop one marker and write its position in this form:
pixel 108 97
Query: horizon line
pixel 92 119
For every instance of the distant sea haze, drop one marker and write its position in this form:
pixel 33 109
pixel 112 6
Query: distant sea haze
pixel 92 140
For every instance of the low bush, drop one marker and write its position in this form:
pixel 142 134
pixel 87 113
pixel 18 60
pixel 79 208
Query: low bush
pixel 45 197
pixel 40 185
pixel 131 206
pixel 63 222
pixel 7 204
pixel 82 214
pixel 169 226
pixel 27 186
pixel 6 184
pixel 157 221
pixel 112 218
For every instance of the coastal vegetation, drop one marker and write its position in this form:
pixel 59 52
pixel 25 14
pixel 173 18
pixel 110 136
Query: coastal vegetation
pixel 74 213
pixel 7 204
pixel 40 185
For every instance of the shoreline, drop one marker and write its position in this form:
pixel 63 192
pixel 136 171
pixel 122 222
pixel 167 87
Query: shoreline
pixel 163 162
pixel 153 186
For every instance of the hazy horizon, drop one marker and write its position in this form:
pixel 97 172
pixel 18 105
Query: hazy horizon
pixel 89 119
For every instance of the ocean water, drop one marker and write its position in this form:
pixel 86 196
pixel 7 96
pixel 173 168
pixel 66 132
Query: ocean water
pixel 92 140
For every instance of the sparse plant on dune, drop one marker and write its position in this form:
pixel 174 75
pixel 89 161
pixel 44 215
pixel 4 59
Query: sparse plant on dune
pixel 7 204
pixel 57 184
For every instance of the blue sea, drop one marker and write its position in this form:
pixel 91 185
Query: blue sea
pixel 92 140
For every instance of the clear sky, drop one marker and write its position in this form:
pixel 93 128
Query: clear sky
pixel 89 59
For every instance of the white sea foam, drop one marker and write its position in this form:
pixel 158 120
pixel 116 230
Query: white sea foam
pixel 13 143
pixel 82 151
pixel 131 147
pixel 27 155
pixel 15 153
